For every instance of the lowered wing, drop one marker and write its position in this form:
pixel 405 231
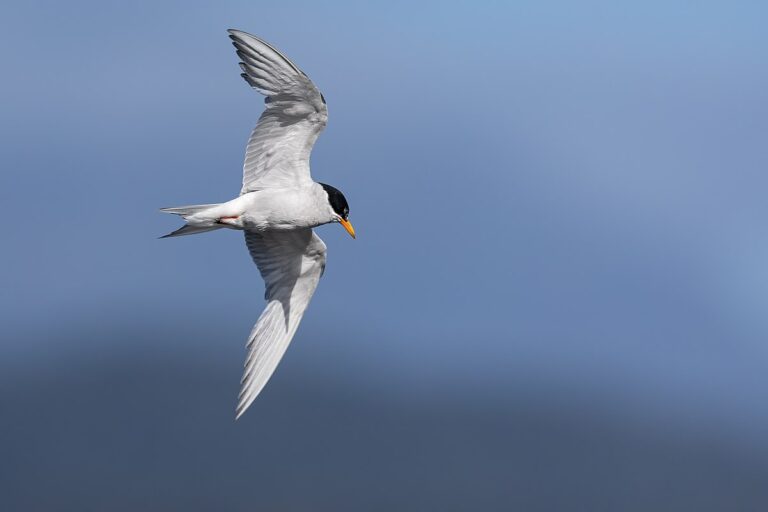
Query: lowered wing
pixel 291 263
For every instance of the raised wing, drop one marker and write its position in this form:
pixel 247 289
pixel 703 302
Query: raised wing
pixel 291 263
pixel 277 154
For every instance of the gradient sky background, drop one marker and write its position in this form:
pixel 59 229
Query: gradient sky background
pixel 557 203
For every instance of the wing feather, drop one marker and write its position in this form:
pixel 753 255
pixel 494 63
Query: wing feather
pixel 291 263
pixel 278 150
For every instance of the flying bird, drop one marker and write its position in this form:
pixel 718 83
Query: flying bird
pixel 278 205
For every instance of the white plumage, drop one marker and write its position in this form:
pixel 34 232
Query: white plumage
pixel 278 206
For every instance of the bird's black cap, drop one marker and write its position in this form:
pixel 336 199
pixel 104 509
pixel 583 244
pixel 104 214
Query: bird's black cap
pixel 337 200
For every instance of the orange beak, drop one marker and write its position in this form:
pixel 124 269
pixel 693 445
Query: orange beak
pixel 348 226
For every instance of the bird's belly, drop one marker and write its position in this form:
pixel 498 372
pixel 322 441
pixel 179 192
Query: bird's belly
pixel 272 210
pixel 261 223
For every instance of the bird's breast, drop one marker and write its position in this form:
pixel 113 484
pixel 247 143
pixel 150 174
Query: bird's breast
pixel 283 209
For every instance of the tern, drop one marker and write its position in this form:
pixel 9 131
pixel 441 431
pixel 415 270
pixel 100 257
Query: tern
pixel 278 205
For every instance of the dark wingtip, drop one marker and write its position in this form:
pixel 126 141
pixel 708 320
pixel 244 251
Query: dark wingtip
pixel 234 35
pixel 237 35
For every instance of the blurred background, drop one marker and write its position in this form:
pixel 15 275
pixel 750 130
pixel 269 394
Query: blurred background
pixel 556 301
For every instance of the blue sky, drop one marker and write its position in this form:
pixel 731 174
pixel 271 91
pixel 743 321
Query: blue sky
pixel 561 198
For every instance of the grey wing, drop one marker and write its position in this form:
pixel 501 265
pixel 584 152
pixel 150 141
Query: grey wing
pixel 277 154
pixel 291 263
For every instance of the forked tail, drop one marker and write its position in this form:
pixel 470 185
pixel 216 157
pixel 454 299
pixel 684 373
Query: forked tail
pixel 193 225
